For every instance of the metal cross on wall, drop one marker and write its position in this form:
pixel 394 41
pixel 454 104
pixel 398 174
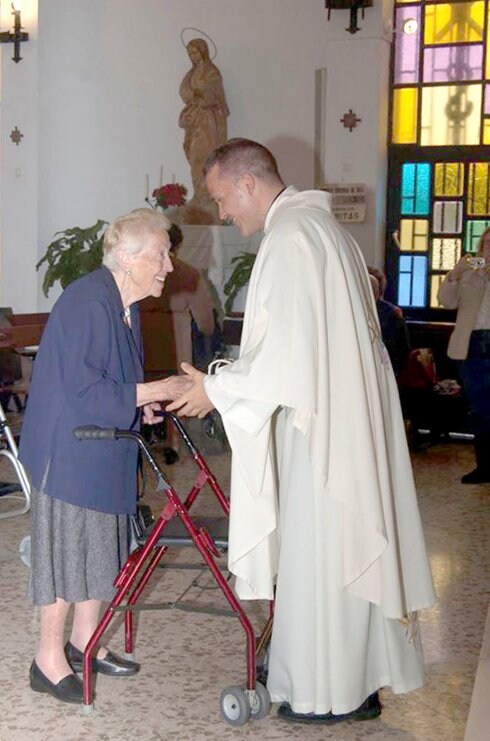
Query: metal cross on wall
pixel 350 120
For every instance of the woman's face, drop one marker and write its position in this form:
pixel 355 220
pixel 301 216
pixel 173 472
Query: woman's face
pixel 150 267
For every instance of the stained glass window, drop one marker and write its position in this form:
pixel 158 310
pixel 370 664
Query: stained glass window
pixel 449 179
pixel 449 23
pixel 487 64
pixel 479 189
pixel 435 282
pixel 405 103
pixel 451 115
pixel 473 232
pixel 486 131
pixel 448 217
pixel 440 141
pixel 416 188
pixel 407 53
pixel 412 285
pixel 446 252
pixel 453 63
pixel 414 235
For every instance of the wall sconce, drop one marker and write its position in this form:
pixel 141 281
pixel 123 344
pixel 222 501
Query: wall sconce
pixel 17 36
pixel 353 5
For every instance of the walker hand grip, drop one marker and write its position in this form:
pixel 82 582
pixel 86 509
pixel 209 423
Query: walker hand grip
pixel 92 432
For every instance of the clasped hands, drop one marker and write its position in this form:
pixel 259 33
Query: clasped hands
pixel 192 400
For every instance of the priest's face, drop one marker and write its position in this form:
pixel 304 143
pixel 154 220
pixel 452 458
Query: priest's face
pixel 235 200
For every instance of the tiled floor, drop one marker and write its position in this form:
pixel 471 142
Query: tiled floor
pixel 187 659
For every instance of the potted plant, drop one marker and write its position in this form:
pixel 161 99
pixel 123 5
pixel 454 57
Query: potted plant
pixel 243 264
pixel 74 253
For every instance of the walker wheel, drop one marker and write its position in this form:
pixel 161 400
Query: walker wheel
pixel 234 706
pixel 262 702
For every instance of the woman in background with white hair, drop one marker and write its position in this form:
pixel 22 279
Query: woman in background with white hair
pixel 89 371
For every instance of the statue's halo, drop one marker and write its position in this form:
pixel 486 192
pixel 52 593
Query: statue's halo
pixel 202 35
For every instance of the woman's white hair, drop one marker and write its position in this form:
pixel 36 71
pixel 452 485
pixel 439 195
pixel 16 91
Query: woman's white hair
pixel 130 233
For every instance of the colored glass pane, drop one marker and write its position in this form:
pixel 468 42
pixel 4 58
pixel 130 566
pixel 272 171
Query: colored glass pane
pixel 473 232
pixel 416 188
pixel 450 23
pixel 448 179
pixel 407 49
pixel 451 115
pixel 487 54
pixel 412 281
pixel 478 189
pixel 413 235
pixel 405 104
pixel 486 131
pixel 453 63
pixel 435 282
pixel 445 253
pixel 448 217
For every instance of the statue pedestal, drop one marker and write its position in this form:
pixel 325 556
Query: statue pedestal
pixel 211 248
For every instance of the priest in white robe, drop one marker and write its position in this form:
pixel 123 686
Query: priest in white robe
pixel 323 503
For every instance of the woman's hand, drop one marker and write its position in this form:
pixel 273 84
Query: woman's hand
pixel 165 389
pixel 149 417
pixel 174 386
pixel 459 269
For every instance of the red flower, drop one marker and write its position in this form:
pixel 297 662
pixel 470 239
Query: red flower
pixel 171 194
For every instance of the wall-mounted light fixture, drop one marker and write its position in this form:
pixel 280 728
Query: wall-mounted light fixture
pixel 17 36
pixel 353 5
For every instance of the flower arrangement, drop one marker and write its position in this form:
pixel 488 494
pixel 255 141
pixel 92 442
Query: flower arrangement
pixel 171 194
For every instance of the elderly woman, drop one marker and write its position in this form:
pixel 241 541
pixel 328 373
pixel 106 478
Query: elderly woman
pixel 89 371
pixel 467 288
pixel 203 119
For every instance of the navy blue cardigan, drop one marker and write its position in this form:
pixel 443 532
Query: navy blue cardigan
pixel 85 372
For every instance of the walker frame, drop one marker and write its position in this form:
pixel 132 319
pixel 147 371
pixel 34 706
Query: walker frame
pixel 237 704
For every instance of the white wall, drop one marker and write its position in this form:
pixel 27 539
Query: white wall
pixel 107 107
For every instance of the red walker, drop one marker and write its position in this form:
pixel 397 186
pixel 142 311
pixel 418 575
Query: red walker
pixel 175 527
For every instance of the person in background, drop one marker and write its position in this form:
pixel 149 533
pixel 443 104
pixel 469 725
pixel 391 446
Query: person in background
pixel 89 371
pixel 323 503
pixel 393 327
pixel 466 288
pixel 189 299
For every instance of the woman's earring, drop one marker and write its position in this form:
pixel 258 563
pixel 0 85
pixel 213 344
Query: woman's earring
pixel 128 271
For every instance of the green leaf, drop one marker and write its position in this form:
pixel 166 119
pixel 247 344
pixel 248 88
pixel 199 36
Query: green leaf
pixel 76 252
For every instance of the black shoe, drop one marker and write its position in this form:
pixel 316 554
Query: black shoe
pixel 478 476
pixel 112 664
pixel 370 708
pixel 68 689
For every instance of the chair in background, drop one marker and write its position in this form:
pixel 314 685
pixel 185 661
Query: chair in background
pixel 19 490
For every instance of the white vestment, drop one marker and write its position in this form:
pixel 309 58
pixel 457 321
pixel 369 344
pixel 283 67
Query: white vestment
pixel 322 492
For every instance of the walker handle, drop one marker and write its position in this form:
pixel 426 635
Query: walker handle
pixel 93 432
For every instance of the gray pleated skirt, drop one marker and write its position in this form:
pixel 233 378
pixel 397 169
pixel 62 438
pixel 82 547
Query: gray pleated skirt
pixel 76 553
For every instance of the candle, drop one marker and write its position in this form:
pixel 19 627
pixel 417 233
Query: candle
pixel 147 186
pixel 161 175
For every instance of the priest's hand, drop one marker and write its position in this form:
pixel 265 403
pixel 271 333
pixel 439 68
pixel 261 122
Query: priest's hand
pixel 194 402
